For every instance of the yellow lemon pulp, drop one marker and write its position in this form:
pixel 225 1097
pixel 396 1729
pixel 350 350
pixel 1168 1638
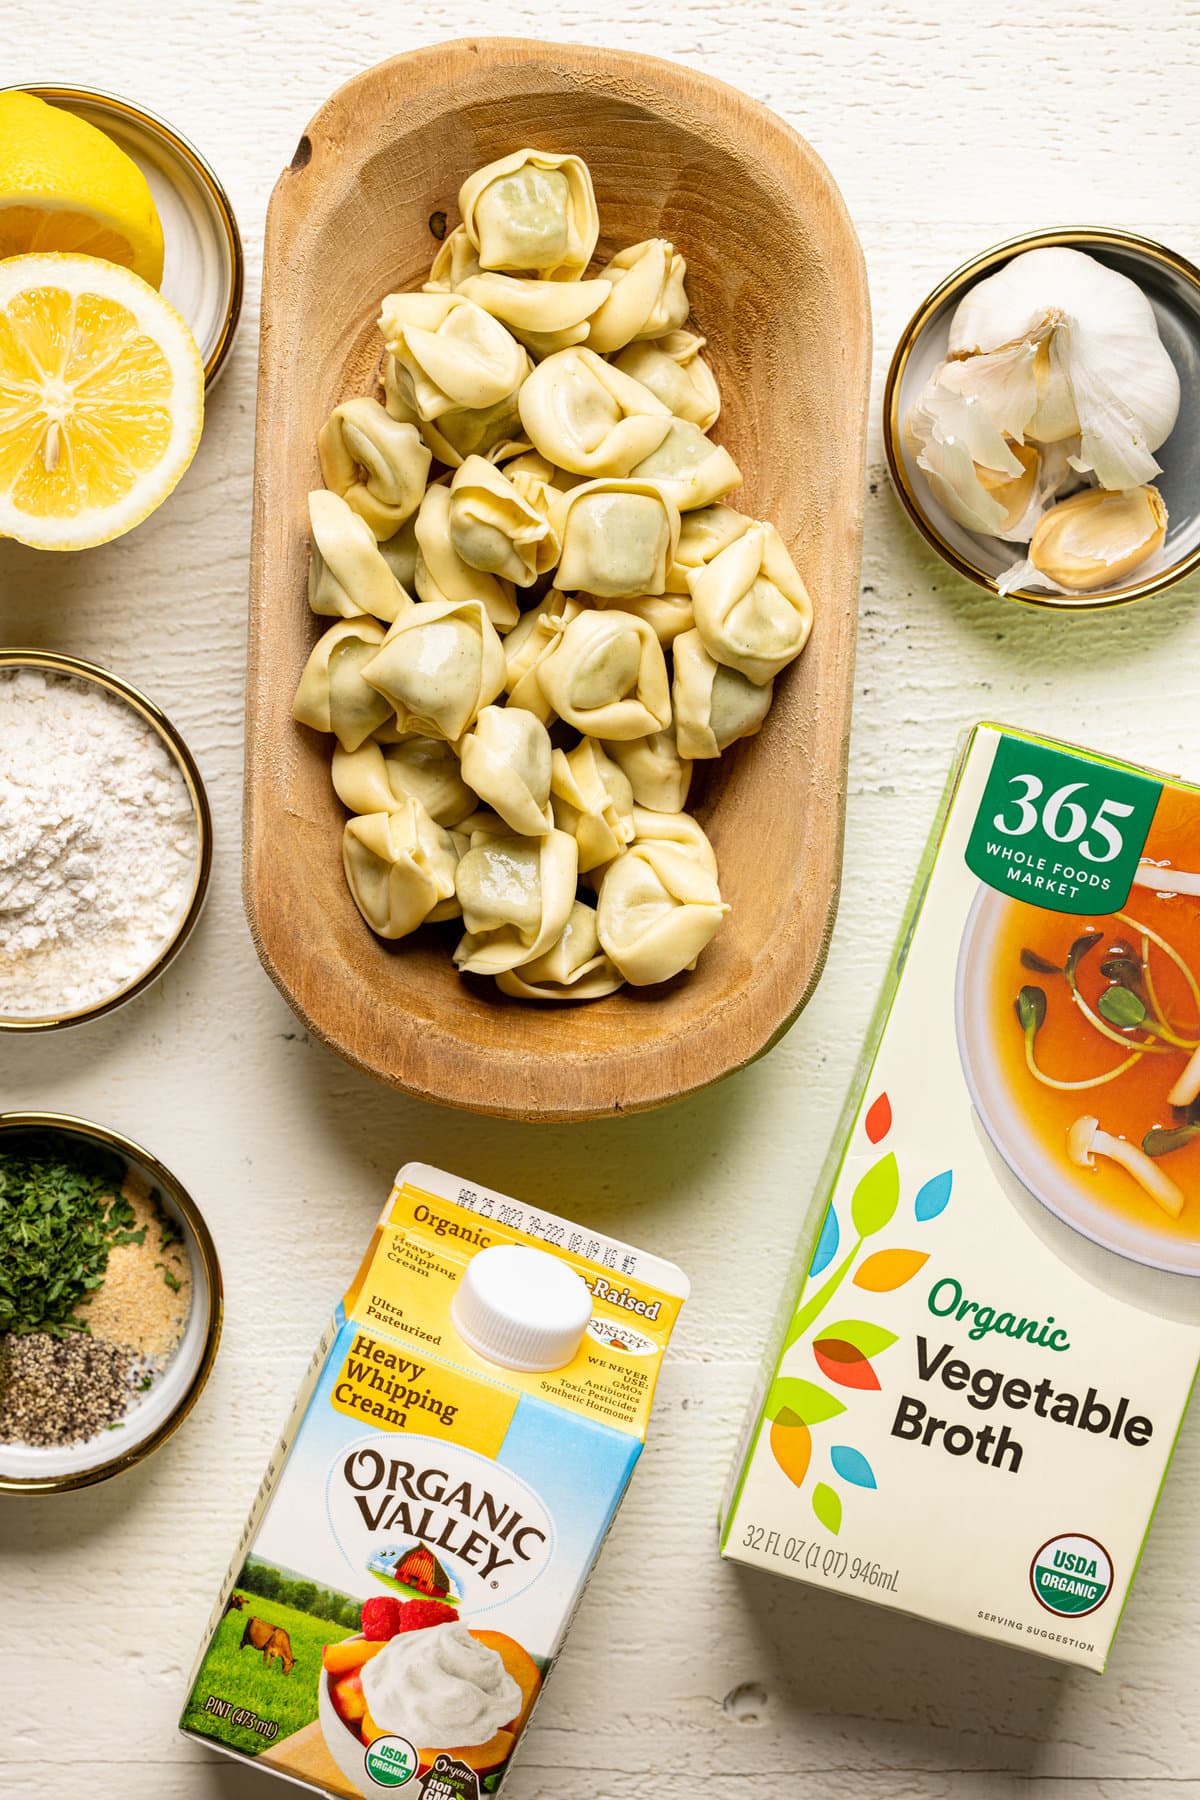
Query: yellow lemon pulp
pixel 101 400
pixel 65 186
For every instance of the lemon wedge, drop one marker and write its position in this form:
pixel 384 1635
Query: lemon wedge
pixel 101 400
pixel 66 186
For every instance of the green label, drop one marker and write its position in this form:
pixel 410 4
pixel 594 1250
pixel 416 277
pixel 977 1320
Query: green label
pixel 1071 1575
pixel 1059 831
pixel 391 1762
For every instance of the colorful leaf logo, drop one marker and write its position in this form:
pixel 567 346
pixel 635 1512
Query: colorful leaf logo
pixel 889 1269
pixel 867 1337
pixel 876 1197
pixel 827 1244
pixel 791 1445
pixel 852 1466
pixel 934 1197
pixel 827 1505
pixel 878 1121
pixel 809 1404
pixel 842 1363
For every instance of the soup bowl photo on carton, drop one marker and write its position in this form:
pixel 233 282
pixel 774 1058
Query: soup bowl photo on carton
pixel 1053 1181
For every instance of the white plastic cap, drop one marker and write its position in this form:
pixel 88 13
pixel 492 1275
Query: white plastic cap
pixel 521 1308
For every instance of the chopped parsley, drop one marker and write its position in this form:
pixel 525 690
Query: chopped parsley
pixel 61 1212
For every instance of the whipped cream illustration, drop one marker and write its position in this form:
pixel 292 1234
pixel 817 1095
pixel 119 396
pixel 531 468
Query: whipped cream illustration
pixel 440 1687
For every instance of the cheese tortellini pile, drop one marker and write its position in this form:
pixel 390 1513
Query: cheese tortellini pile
pixel 543 612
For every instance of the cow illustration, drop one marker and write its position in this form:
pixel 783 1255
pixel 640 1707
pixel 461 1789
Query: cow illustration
pixel 272 1640
pixel 235 1603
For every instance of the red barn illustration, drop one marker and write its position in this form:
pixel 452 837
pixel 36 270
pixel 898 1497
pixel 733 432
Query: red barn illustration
pixel 421 1569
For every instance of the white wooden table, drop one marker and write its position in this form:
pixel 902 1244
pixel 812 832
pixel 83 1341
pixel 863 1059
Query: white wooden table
pixel 949 126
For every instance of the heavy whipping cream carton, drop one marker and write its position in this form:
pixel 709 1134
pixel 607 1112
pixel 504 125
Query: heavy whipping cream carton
pixel 988 1354
pixel 464 1436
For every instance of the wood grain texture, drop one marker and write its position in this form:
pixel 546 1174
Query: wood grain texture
pixel 948 125
pixel 777 285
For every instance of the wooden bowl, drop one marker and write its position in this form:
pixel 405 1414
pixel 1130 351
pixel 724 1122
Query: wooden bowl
pixel 777 284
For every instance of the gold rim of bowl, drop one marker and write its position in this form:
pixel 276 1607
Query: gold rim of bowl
pixel 57 663
pixel 213 1297
pixel 200 165
pixel 965 276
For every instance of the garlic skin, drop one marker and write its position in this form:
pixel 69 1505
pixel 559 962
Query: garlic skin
pixel 1055 356
pixel 1099 367
pixel 1097 539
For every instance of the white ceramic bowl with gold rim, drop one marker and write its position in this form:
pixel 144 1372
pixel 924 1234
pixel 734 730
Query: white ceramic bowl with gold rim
pixel 156 1415
pixel 204 264
pixel 54 663
pixel 1172 285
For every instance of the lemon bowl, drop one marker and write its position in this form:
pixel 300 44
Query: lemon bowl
pixel 1172 285
pixel 204 268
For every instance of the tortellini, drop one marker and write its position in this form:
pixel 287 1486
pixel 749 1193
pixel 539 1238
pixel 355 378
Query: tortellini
pixel 703 535
pixel 666 614
pixel 673 369
pixel 544 611
pixel 506 760
pixel 659 776
pixel 713 705
pixel 347 573
pixel 378 464
pixel 438 666
pixel 573 968
pixel 660 904
pixel 516 895
pixel 617 537
pixel 527 646
pixel 453 353
pixel 647 298
pixel 379 776
pixel 752 609
pixel 689 468
pixel 582 414
pixel 607 676
pixel 400 868
pixel 441 573
pixel 545 316
pixel 496 527
pixel 333 694
pixel 533 210
pixel 461 431
pixel 593 800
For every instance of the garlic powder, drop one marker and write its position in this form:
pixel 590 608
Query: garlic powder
pixel 98 844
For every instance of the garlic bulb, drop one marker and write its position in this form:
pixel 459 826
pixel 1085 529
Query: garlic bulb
pixel 1055 350
pixel 1096 539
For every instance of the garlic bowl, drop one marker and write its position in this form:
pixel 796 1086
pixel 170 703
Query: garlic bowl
pixel 1171 285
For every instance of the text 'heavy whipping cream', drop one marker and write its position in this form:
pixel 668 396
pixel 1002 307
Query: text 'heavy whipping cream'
pixel 465 1435
pixel 990 1348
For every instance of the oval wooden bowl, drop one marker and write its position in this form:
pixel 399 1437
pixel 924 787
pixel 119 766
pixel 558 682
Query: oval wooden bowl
pixel 777 284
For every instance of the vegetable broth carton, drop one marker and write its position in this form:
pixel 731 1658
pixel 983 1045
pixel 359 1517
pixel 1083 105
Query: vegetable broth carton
pixel 985 1361
pixel 461 1443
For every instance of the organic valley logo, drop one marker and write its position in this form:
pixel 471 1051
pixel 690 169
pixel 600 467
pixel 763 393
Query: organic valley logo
pixel 484 1525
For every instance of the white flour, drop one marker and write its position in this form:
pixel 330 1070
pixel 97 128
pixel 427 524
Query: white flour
pixel 98 844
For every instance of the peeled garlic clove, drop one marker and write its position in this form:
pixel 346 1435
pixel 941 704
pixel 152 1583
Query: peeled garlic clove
pixel 1012 492
pixel 1097 539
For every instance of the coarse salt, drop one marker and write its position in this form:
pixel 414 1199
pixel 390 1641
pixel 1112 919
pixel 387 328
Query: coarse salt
pixel 98 844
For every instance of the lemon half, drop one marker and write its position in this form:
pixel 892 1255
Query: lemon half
pixel 64 185
pixel 101 400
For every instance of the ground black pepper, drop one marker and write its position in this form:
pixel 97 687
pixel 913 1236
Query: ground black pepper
pixel 59 1390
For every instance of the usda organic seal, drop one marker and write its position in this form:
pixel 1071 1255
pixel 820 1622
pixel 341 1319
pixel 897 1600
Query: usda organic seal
pixel 1071 1575
pixel 391 1762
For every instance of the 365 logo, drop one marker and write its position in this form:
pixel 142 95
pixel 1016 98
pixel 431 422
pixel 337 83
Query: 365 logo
pixel 1071 1575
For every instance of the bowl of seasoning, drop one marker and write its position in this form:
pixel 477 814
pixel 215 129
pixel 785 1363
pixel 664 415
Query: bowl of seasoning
pixel 1042 418
pixel 203 261
pixel 105 841
pixel 110 1303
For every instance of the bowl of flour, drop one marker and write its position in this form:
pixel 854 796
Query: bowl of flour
pixel 105 841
